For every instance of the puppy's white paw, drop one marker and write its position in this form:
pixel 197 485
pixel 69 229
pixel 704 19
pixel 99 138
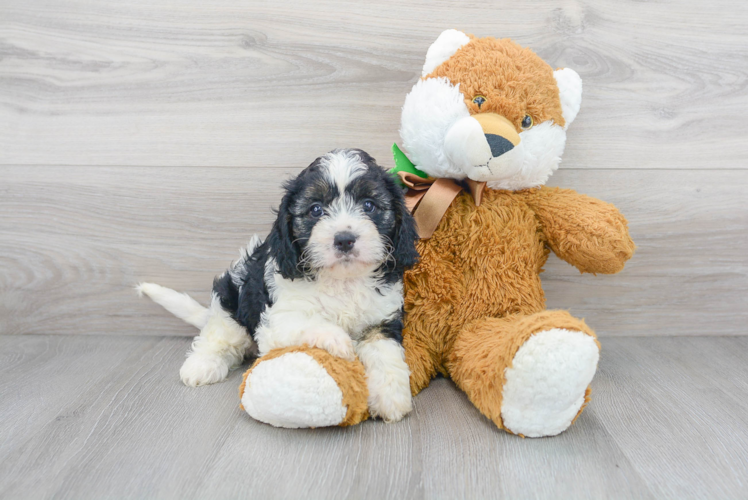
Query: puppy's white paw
pixel 390 400
pixel 388 379
pixel 332 339
pixel 203 369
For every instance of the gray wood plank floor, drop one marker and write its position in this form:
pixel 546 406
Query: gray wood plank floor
pixel 146 140
pixel 100 417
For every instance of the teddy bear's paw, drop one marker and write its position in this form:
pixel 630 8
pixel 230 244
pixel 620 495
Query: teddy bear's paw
pixel 293 391
pixel 203 369
pixel 547 382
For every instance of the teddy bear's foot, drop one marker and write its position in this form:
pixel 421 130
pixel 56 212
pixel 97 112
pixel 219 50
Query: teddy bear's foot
pixel 546 386
pixel 529 374
pixel 302 386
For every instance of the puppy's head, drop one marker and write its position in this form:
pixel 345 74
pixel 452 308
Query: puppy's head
pixel 345 216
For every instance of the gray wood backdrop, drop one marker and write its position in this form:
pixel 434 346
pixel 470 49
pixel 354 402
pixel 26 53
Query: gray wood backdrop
pixel 144 140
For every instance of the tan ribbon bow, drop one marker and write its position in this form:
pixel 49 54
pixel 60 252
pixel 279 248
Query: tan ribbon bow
pixel 428 199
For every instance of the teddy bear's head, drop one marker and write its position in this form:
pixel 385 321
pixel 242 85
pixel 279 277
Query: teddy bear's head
pixel 489 110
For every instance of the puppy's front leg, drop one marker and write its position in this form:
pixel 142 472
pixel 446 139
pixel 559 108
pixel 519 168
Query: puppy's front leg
pixel 221 346
pixel 331 338
pixel 387 376
pixel 283 328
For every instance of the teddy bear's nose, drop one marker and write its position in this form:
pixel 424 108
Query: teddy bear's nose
pixel 501 134
pixel 498 144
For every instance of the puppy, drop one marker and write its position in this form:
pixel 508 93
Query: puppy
pixel 328 275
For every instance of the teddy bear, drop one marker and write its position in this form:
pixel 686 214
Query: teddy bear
pixel 483 130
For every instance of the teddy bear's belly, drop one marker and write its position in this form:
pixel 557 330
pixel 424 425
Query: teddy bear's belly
pixel 481 262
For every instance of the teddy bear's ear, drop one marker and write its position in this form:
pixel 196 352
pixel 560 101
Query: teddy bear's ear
pixel 443 48
pixel 570 91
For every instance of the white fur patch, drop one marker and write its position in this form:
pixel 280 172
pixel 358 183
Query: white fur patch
pixel 570 91
pixel 180 305
pixel 220 347
pixel 431 108
pixel 387 377
pixel 546 384
pixel 236 271
pixel 332 339
pixel 445 46
pixel 304 308
pixel 341 167
pixel 293 391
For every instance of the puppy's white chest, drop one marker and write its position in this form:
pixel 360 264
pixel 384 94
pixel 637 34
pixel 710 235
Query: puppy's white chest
pixel 353 304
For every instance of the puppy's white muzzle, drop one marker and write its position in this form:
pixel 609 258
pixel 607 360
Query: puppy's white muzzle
pixel 347 241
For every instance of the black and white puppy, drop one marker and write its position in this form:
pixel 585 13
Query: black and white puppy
pixel 328 275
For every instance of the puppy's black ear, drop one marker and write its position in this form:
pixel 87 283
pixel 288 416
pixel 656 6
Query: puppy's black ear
pixel 283 249
pixel 405 254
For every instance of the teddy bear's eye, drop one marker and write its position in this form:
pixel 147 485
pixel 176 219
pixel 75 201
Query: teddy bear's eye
pixel 479 100
pixel 526 122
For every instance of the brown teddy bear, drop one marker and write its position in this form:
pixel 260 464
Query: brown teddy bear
pixel 484 129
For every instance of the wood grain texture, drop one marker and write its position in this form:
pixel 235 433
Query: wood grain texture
pixel 671 397
pixel 41 378
pixel 667 420
pixel 146 141
pixel 74 244
pixel 235 83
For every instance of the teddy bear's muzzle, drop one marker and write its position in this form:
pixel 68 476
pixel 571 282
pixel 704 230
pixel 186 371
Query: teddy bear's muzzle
pixel 499 132
pixel 475 140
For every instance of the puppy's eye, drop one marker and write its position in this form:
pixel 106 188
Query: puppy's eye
pixel 479 100
pixel 316 210
pixel 369 206
pixel 526 122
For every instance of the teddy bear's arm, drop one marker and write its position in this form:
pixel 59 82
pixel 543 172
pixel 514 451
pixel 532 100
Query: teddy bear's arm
pixel 588 233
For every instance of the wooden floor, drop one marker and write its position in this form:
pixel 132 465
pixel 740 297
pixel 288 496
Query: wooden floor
pixel 99 417
pixel 145 140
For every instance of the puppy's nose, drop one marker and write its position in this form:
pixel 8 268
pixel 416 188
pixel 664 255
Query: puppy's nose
pixel 344 241
pixel 498 144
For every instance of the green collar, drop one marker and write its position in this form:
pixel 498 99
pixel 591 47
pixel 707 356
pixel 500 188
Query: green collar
pixel 403 164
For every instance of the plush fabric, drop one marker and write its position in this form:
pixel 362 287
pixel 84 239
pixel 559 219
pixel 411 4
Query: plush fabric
pixel 349 376
pixel 486 348
pixel 548 381
pixel 485 262
pixel 513 79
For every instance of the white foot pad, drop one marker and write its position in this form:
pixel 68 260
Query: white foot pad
pixel 293 391
pixel 546 384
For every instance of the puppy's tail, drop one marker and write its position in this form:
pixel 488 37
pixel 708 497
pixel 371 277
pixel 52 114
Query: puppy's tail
pixel 180 305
